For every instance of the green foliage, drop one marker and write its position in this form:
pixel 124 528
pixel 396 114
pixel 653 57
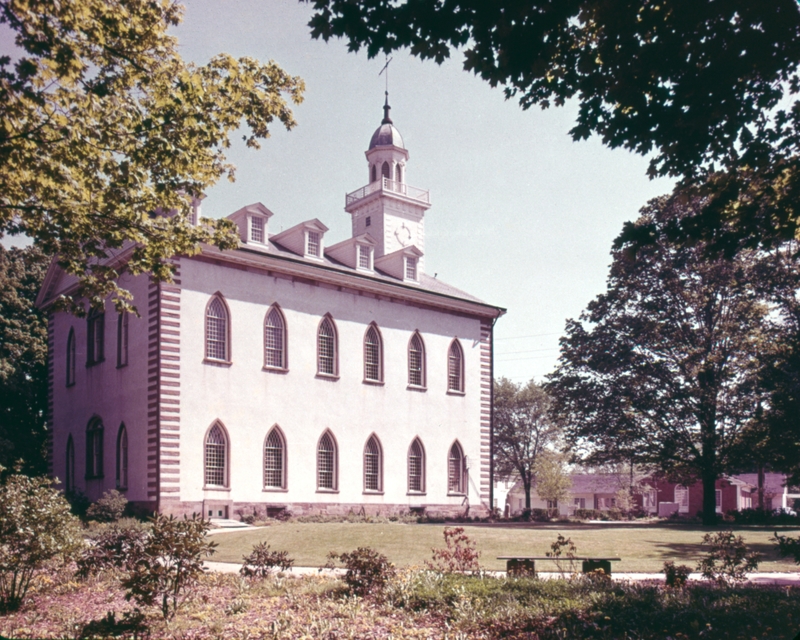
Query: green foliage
pixel 116 548
pixel 23 359
pixel 664 367
pixel 36 529
pixel 522 430
pixel 261 561
pixel 788 547
pixel 460 554
pixel 634 69
pixel 553 482
pixel 109 508
pixel 727 561
pixel 676 575
pixel 107 136
pixel 170 563
pixel 368 571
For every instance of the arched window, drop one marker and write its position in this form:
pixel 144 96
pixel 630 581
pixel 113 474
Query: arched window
pixel 386 171
pixel 456 470
pixel 217 330
pixel 374 174
pixel 216 457
pixel 274 460
pixel 455 367
pixel 416 361
pixel 275 339
pixel 94 448
pixel 326 463
pixel 327 356
pixel 95 336
pixel 373 465
pixel 71 358
pixel 122 339
pixel 122 457
pixel 398 173
pixel 416 467
pixel 69 471
pixel 373 355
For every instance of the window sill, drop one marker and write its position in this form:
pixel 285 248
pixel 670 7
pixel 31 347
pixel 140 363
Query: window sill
pixel 70 385
pixel 327 491
pixel 414 387
pixel 332 377
pixel 452 392
pixel 375 383
pixel 217 363
pixel 274 490
pixel 94 362
pixel 122 366
pixel 450 494
pixel 121 488
pixel 372 493
pixel 416 493
pixel 215 487
pixel 280 370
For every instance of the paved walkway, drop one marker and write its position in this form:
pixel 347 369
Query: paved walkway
pixel 783 579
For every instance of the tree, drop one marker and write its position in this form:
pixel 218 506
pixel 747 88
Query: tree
pixel 36 528
pixel 107 136
pixel 699 87
pixel 522 430
pixel 553 482
pixel 23 360
pixel 665 365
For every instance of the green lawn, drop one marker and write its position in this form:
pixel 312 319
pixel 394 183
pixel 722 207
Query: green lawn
pixel 642 547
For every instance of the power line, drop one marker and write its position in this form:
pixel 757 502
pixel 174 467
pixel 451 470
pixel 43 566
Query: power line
pixel 528 358
pixel 508 353
pixel 535 335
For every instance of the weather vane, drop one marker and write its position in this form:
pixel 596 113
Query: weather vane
pixel 386 69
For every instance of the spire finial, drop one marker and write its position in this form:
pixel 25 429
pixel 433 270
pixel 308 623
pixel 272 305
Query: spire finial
pixel 386 107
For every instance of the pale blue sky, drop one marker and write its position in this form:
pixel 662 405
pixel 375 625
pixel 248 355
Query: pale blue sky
pixel 522 217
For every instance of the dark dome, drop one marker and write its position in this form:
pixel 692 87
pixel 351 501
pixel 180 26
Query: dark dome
pixel 386 135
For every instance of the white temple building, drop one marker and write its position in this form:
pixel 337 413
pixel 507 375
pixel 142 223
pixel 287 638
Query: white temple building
pixel 291 374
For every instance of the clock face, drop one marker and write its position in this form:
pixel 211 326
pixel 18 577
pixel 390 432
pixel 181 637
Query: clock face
pixel 403 235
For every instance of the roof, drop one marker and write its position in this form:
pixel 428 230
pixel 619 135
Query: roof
pixel 774 483
pixel 386 135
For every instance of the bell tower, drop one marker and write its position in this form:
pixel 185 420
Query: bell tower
pixel 387 208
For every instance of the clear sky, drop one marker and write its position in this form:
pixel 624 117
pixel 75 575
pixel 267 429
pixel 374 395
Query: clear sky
pixel 522 217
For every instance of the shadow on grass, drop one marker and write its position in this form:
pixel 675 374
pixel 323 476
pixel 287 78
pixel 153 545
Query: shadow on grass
pixel 694 551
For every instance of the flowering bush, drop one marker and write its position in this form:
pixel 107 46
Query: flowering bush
pixel 110 508
pixel 459 554
pixel 728 561
pixel 36 528
pixel 116 547
pixel 676 575
pixel 368 571
pixel 261 562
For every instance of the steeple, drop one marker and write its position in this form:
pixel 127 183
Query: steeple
pixel 387 208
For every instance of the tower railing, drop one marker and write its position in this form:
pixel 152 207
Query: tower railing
pixel 391 186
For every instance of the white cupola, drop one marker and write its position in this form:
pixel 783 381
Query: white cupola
pixel 387 208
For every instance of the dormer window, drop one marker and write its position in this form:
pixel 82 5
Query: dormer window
pixel 312 243
pixel 364 257
pixel 411 269
pixel 257 229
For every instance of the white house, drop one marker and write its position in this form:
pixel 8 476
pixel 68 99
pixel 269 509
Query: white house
pixel 295 372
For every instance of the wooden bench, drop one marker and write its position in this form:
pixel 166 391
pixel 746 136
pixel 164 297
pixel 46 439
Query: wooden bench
pixel 526 565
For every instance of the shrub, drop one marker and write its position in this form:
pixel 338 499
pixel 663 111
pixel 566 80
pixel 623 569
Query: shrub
pixel 109 508
pixel 459 554
pixel 36 529
pixel 788 547
pixel 589 514
pixel 676 574
pixel 170 563
pixel 79 503
pixel 727 561
pixel 557 550
pixel 368 570
pixel 116 547
pixel 261 562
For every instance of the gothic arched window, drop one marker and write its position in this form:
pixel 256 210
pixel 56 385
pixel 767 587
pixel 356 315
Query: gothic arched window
pixel 416 467
pixel 456 470
pixel 216 457
pixel 327 356
pixel 217 330
pixel 122 457
pixel 373 465
pixel 94 448
pixel 416 361
pixel 69 471
pixel 275 339
pixel 373 355
pixel 455 367
pixel 95 336
pixel 275 460
pixel 327 467
pixel 71 358
pixel 386 171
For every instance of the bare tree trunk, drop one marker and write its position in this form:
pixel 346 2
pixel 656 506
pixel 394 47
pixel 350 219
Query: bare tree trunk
pixel 709 497
pixel 761 486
